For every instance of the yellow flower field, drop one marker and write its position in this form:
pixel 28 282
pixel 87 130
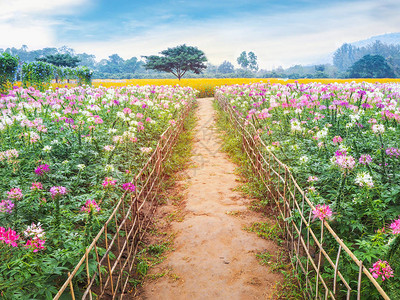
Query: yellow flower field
pixel 206 85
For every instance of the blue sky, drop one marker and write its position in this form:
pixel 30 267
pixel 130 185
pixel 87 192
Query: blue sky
pixel 278 32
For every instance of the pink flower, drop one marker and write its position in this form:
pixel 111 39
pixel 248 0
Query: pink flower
pixel 345 161
pixel 90 206
pixel 109 182
pixel 42 169
pixel 6 206
pixel 139 115
pixel 322 211
pixel 395 226
pixel 381 268
pixel 36 186
pixel 127 110
pixel 35 244
pixel 365 159
pixel 312 178
pixel 57 191
pixel 9 236
pixel 129 187
pixel 337 139
pixel 15 193
pixel 109 147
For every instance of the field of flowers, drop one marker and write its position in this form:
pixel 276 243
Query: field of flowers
pixel 342 143
pixel 66 156
pixel 206 86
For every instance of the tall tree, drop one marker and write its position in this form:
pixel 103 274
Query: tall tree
pixel 242 60
pixel 178 61
pixel 248 61
pixel 371 66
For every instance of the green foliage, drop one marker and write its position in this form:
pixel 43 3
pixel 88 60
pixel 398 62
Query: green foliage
pixel 61 60
pixel 37 74
pixel 226 67
pixel 178 61
pixel 371 66
pixel 8 69
pixel 248 61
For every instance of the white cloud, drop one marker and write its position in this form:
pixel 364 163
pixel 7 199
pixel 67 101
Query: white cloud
pixel 282 39
pixel 304 36
pixel 32 22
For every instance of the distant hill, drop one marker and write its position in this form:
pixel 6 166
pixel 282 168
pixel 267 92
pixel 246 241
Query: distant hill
pixel 388 38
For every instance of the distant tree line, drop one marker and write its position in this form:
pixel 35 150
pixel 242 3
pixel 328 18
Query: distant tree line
pixel 386 58
pixel 375 60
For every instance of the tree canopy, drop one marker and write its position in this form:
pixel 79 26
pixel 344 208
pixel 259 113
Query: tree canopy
pixel 371 66
pixel 178 61
pixel 61 60
pixel 248 61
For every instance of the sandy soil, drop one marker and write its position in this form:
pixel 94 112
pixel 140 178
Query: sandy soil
pixel 213 257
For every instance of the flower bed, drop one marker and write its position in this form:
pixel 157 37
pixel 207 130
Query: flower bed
pixel 66 157
pixel 341 141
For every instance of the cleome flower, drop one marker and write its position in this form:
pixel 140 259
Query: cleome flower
pixel 365 159
pixel 109 182
pixel 58 191
pixel 15 193
pixel 129 187
pixel 381 268
pixel 395 226
pixel 35 244
pixel 364 179
pixel 42 169
pixel 34 231
pixel 90 206
pixel 9 237
pixel 322 211
pixel 378 128
pixel 36 186
pixel 6 206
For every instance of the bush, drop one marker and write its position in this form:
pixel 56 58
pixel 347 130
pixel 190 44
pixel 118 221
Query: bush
pixel 37 74
pixel 8 69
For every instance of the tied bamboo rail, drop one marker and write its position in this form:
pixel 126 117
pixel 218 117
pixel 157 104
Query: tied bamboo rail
pixel 291 199
pixel 108 271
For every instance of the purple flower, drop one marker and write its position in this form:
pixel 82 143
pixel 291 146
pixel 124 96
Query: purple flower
pixel 129 187
pixel 393 152
pixel 365 159
pixel 42 169
pixel 6 206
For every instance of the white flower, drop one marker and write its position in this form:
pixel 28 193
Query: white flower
pixel 54 142
pixel 378 128
pixel 303 159
pixel 112 130
pixel 47 149
pixel 81 166
pixel 364 179
pixel 322 133
pixel 270 148
pixel 109 147
pixel 65 162
pixel 109 168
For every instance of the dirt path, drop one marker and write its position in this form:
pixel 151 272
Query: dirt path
pixel 214 258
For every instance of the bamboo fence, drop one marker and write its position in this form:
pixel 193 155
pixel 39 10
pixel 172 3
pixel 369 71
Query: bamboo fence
pixel 109 261
pixel 319 267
